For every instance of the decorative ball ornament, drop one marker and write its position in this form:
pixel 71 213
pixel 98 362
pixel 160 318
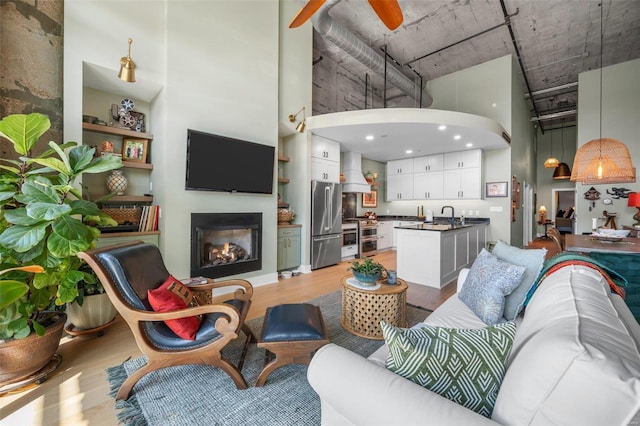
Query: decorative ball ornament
pixel 117 182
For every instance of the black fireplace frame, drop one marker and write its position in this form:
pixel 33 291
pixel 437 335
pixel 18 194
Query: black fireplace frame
pixel 225 221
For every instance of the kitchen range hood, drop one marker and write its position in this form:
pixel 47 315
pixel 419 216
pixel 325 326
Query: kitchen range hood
pixel 354 181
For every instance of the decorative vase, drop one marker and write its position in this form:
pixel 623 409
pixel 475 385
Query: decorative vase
pixel 117 182
pixel 367 279
pixel 23 357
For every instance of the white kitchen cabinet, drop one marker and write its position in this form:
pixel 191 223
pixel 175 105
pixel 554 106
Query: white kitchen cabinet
pixel 400 187
pixel 385 234
pixel 396 223
pixel 428 185
pixel 428 163
pixel 325 171
pixel 463 184
pixel 463 159
pixel 399 167
pixel 325 149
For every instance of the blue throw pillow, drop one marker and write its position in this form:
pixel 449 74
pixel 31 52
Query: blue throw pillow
pixel 489 281
pixel 533 260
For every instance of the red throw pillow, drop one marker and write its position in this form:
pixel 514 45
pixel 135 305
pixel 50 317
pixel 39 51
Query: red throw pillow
pixel 172 295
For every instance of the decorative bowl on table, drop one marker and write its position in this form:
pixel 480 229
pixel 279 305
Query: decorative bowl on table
pixel 367 279
pixel 618 233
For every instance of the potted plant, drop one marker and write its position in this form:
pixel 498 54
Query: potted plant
pixel 367 271
pixel 41 223
pixel 92 308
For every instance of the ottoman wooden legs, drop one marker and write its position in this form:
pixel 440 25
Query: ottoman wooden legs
pixel 292 332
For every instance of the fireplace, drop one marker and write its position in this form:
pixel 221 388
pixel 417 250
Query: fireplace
pixel 224 244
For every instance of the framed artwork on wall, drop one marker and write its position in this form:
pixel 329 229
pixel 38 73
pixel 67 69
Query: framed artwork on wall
pixel 496 189
pixel 370 199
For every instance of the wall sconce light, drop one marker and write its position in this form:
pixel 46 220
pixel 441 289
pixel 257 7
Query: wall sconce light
pixel 302 124
pixel 127 67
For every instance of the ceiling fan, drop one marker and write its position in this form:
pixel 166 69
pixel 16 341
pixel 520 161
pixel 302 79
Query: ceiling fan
pixel 387 10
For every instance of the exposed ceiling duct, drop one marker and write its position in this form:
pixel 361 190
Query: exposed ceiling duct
pixel 354 180
pixel 347 41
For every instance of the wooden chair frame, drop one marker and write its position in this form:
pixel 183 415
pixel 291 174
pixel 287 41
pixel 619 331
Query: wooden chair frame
pixel 228 326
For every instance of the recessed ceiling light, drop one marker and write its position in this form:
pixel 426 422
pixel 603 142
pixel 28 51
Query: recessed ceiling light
pixel 469 145
pixel 442 127
pixel 494 104
pixel 409 151
pixel 457 137
pixel 369 137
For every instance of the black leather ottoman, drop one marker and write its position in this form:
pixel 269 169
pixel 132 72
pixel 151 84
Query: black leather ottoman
pixel 292 332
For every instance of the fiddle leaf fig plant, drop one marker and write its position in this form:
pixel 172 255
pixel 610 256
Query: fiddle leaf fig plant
pixel 43 221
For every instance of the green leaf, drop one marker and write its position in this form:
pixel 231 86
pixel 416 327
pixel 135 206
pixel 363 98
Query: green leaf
pixel 38 328
pixel 39 189
pixel 24 130
pixel 53 163
pixel 14 170
pixel 6 195
pixel 20 328
pixel 20 217
pixel 62 155
pixel 69 237
pixel 23 238
pixel 84 207
pixel 104 164
pixel 10 291
pixel 30 254
pixel 80 157
pixel 47 211
pixel 50 151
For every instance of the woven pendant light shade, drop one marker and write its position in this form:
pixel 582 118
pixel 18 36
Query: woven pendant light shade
pixel 603 161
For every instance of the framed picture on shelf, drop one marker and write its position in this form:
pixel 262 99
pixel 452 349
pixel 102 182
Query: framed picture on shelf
pixel 496 189
pixel 134 150
pixel 370 199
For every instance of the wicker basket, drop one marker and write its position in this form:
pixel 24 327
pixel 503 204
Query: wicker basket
pixel 285 216
pixel 124 215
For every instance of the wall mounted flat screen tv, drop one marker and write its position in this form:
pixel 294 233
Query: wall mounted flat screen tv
pixel 220 163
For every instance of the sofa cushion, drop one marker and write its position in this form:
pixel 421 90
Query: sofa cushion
pixel 463 365
pixel 489 281
pixel 533 260
pixel 574 360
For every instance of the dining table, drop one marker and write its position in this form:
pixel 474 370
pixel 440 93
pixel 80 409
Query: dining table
pixel 590 243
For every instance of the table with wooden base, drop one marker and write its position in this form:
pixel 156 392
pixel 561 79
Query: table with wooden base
pixel 362 310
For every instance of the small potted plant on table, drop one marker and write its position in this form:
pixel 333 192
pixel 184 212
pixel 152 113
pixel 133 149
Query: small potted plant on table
pixel 367 271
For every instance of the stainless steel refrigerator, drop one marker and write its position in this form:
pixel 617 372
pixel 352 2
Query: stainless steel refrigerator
pixel 326 224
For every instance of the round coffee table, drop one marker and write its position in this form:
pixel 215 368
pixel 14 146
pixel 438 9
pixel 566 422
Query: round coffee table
pixel 362 310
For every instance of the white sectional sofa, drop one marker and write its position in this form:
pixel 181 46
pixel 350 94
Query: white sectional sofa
pixel 575 360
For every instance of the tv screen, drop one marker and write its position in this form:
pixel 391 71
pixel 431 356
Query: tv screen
pixel 220 163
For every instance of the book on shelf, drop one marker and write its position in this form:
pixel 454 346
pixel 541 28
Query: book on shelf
pixel 149 218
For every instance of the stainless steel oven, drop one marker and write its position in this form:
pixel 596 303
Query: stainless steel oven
pixel 349 239
pixel 368 238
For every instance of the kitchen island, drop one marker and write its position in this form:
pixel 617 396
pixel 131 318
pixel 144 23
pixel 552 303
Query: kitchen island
pixel 433 254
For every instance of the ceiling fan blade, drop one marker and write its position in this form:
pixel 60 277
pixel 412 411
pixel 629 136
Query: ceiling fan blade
pixel 305 13
pixel 388 11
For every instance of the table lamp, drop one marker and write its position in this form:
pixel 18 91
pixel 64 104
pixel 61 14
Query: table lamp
pixel 543 213
pixel 634 201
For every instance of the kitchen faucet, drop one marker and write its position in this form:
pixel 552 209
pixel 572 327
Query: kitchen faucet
pixel 453 217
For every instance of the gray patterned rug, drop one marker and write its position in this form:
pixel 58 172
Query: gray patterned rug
pixel 200 395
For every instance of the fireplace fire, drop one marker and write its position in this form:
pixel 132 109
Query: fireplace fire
pixel 224 244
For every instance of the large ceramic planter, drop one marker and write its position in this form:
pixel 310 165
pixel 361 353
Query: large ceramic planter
pixel 96 310
pixel 23 357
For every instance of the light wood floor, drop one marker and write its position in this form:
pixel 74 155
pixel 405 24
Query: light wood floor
pixel 77 393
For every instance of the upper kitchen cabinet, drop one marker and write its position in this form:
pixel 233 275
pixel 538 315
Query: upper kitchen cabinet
pixel 400 167
pixel 325 149
pixel 400 187
pixel 463 159
pixel 428 163
pixel 325 160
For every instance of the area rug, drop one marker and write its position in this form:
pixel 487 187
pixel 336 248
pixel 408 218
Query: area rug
pixel 201 395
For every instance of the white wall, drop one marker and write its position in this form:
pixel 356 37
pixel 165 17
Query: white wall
pixel 218 67
pixel 620 120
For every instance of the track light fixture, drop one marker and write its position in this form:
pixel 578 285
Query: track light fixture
pixel 302 124
pixel 127 67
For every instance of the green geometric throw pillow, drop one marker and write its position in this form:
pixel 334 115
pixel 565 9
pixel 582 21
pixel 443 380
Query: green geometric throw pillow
pixel 465 366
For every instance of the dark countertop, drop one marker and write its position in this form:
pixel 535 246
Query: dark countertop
pixel 439 227
pixel 436 219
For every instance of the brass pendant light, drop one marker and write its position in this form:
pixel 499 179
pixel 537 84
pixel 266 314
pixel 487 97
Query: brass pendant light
pixel 562 171
pixel 552 161
pixel 302 124
pixel 127 67
pixel 603 160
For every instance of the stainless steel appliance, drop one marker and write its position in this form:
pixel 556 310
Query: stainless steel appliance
pixel 368 238
pixel 326 224
pixel 350 246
